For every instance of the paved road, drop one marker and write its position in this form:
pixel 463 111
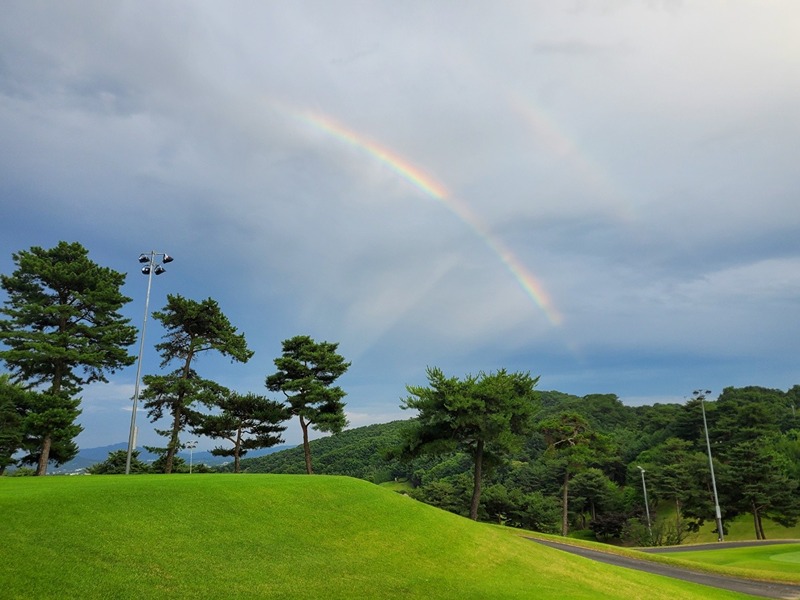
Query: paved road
pixel 745 586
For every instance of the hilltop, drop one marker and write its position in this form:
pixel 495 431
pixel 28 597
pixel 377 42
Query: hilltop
pixel 277 536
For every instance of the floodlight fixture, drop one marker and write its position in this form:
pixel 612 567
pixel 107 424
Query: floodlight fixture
pixel 154 261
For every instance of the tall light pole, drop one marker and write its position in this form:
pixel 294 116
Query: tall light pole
pixel 153 263
pixel 702 396
pixel 191 446
pixel 646 505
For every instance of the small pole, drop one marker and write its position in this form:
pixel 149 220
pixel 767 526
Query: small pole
pixel 646 504
pixel 191 446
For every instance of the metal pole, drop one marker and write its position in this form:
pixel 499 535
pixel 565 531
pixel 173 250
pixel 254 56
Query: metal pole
pixel 191 446
pixel 646 505
pixel 132 435
pixel 721 535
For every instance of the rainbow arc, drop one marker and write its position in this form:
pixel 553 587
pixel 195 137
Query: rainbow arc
pixel 433 189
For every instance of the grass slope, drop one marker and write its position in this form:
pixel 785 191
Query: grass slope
pixel 277 536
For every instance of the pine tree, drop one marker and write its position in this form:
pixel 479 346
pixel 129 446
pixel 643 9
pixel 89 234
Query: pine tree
pixel 306 373
pixel 191 329
pixel 486 417
pixel 63 331
pixel 248 421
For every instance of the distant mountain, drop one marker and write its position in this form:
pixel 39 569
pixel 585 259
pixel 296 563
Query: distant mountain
pixel 90 456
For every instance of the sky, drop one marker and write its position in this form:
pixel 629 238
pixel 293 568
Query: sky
pixel 602 193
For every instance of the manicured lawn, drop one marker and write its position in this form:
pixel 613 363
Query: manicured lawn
pixel 277 536
pixel 742 529
pixel 781 558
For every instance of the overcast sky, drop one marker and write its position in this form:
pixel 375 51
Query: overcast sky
pixel 602 193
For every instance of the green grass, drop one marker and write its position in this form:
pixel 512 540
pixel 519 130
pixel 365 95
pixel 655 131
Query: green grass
pixel 742 529
pixel 704 561
pixel 783 558
pixel 397 486
pixel 277 536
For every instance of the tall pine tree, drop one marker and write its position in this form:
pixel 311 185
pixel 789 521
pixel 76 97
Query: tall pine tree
pixel 192 328
pixel 63 330
pixel 306 373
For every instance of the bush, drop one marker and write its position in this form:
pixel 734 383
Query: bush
pixel 21 472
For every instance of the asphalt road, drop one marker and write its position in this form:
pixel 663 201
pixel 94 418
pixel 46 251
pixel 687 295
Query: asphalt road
pixel 745 586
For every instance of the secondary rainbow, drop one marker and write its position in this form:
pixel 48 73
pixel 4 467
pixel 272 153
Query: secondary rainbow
pixel 430 187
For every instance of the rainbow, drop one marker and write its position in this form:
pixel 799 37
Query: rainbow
pixel 430 187
pixel 563 147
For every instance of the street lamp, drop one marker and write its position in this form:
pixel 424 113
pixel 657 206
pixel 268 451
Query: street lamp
pixel 153 263
pixel 646 505
pixel 699 394
pixel 191 446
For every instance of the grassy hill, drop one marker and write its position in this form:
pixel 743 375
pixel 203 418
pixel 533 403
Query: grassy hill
pixel 277 536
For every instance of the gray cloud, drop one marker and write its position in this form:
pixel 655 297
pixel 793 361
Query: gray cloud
pixel 637 159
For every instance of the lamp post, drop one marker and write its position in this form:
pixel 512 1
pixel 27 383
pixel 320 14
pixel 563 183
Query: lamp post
pixel 191 446
pixel 646 505
pixel 699 394
pixel 153 263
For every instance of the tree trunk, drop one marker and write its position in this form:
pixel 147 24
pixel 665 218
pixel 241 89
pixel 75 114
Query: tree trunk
pixel 476 482
pixel 306 447
pixel 757 521
pixel 172 447
pixel 565 506
pixel 236 449
pixel 44 457
pixel 47 442
pixel 760 526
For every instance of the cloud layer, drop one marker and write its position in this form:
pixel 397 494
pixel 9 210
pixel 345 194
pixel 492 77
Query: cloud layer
pixel 632 162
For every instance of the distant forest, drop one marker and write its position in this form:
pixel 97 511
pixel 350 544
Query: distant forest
pixel 597 481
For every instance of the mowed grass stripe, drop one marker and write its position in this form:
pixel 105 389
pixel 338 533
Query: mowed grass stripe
pixel 281 536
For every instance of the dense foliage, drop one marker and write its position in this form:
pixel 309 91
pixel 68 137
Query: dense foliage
pixel 484 416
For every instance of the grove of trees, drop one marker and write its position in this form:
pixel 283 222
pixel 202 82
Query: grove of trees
pixel 63 330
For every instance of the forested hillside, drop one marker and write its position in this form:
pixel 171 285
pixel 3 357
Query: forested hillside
pixel 754 434
pixel 359 452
